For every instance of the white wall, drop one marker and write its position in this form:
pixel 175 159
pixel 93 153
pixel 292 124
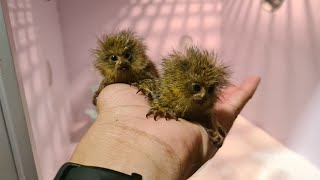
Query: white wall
pixel 39 61
pixel 161 23
pixel 283 48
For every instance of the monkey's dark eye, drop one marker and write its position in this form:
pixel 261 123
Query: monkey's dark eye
pixel 114 58
pixel 210 89
pixel 127 55
pixel 196 87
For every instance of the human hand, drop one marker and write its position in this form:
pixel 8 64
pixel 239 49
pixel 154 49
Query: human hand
pixel 233 100
pixel 123 139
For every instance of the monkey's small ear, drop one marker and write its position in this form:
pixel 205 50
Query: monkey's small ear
pixel 184 65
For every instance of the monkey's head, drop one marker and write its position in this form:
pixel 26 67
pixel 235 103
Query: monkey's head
pixel 120 55
pixel 194 78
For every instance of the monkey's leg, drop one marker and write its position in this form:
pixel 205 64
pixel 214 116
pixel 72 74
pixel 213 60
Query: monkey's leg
pixel 221 130
pixel 102 85
pixel 217 134
pixel 215 137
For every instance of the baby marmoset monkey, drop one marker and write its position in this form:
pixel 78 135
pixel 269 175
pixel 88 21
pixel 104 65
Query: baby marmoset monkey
pixel 121 58
pixel 188 89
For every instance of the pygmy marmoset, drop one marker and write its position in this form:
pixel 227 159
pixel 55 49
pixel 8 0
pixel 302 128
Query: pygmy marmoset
pixel 189 87
pixel 122 58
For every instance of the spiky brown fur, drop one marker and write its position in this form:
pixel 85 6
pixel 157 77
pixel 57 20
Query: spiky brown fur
pixel 189 87
pixel 131 64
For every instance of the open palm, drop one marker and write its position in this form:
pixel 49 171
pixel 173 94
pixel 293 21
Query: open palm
pixel 186 144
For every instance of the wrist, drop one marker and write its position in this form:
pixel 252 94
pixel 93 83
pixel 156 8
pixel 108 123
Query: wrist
pixel 126 149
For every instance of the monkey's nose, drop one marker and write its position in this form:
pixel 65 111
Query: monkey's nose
pixel 123 66
pixel 199 98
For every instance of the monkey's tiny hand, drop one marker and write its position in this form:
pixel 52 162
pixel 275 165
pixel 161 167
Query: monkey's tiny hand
pixel 147 87
pixel 102 85
pixel 162 112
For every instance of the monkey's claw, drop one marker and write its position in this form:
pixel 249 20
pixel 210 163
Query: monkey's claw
pixel 154 112
pixel 168 116
pixel 161 113
pixel 150 112
pixel 145 87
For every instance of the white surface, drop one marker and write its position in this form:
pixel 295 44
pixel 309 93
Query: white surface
pixel 284 164
pixel 251 154
pixel 306 132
